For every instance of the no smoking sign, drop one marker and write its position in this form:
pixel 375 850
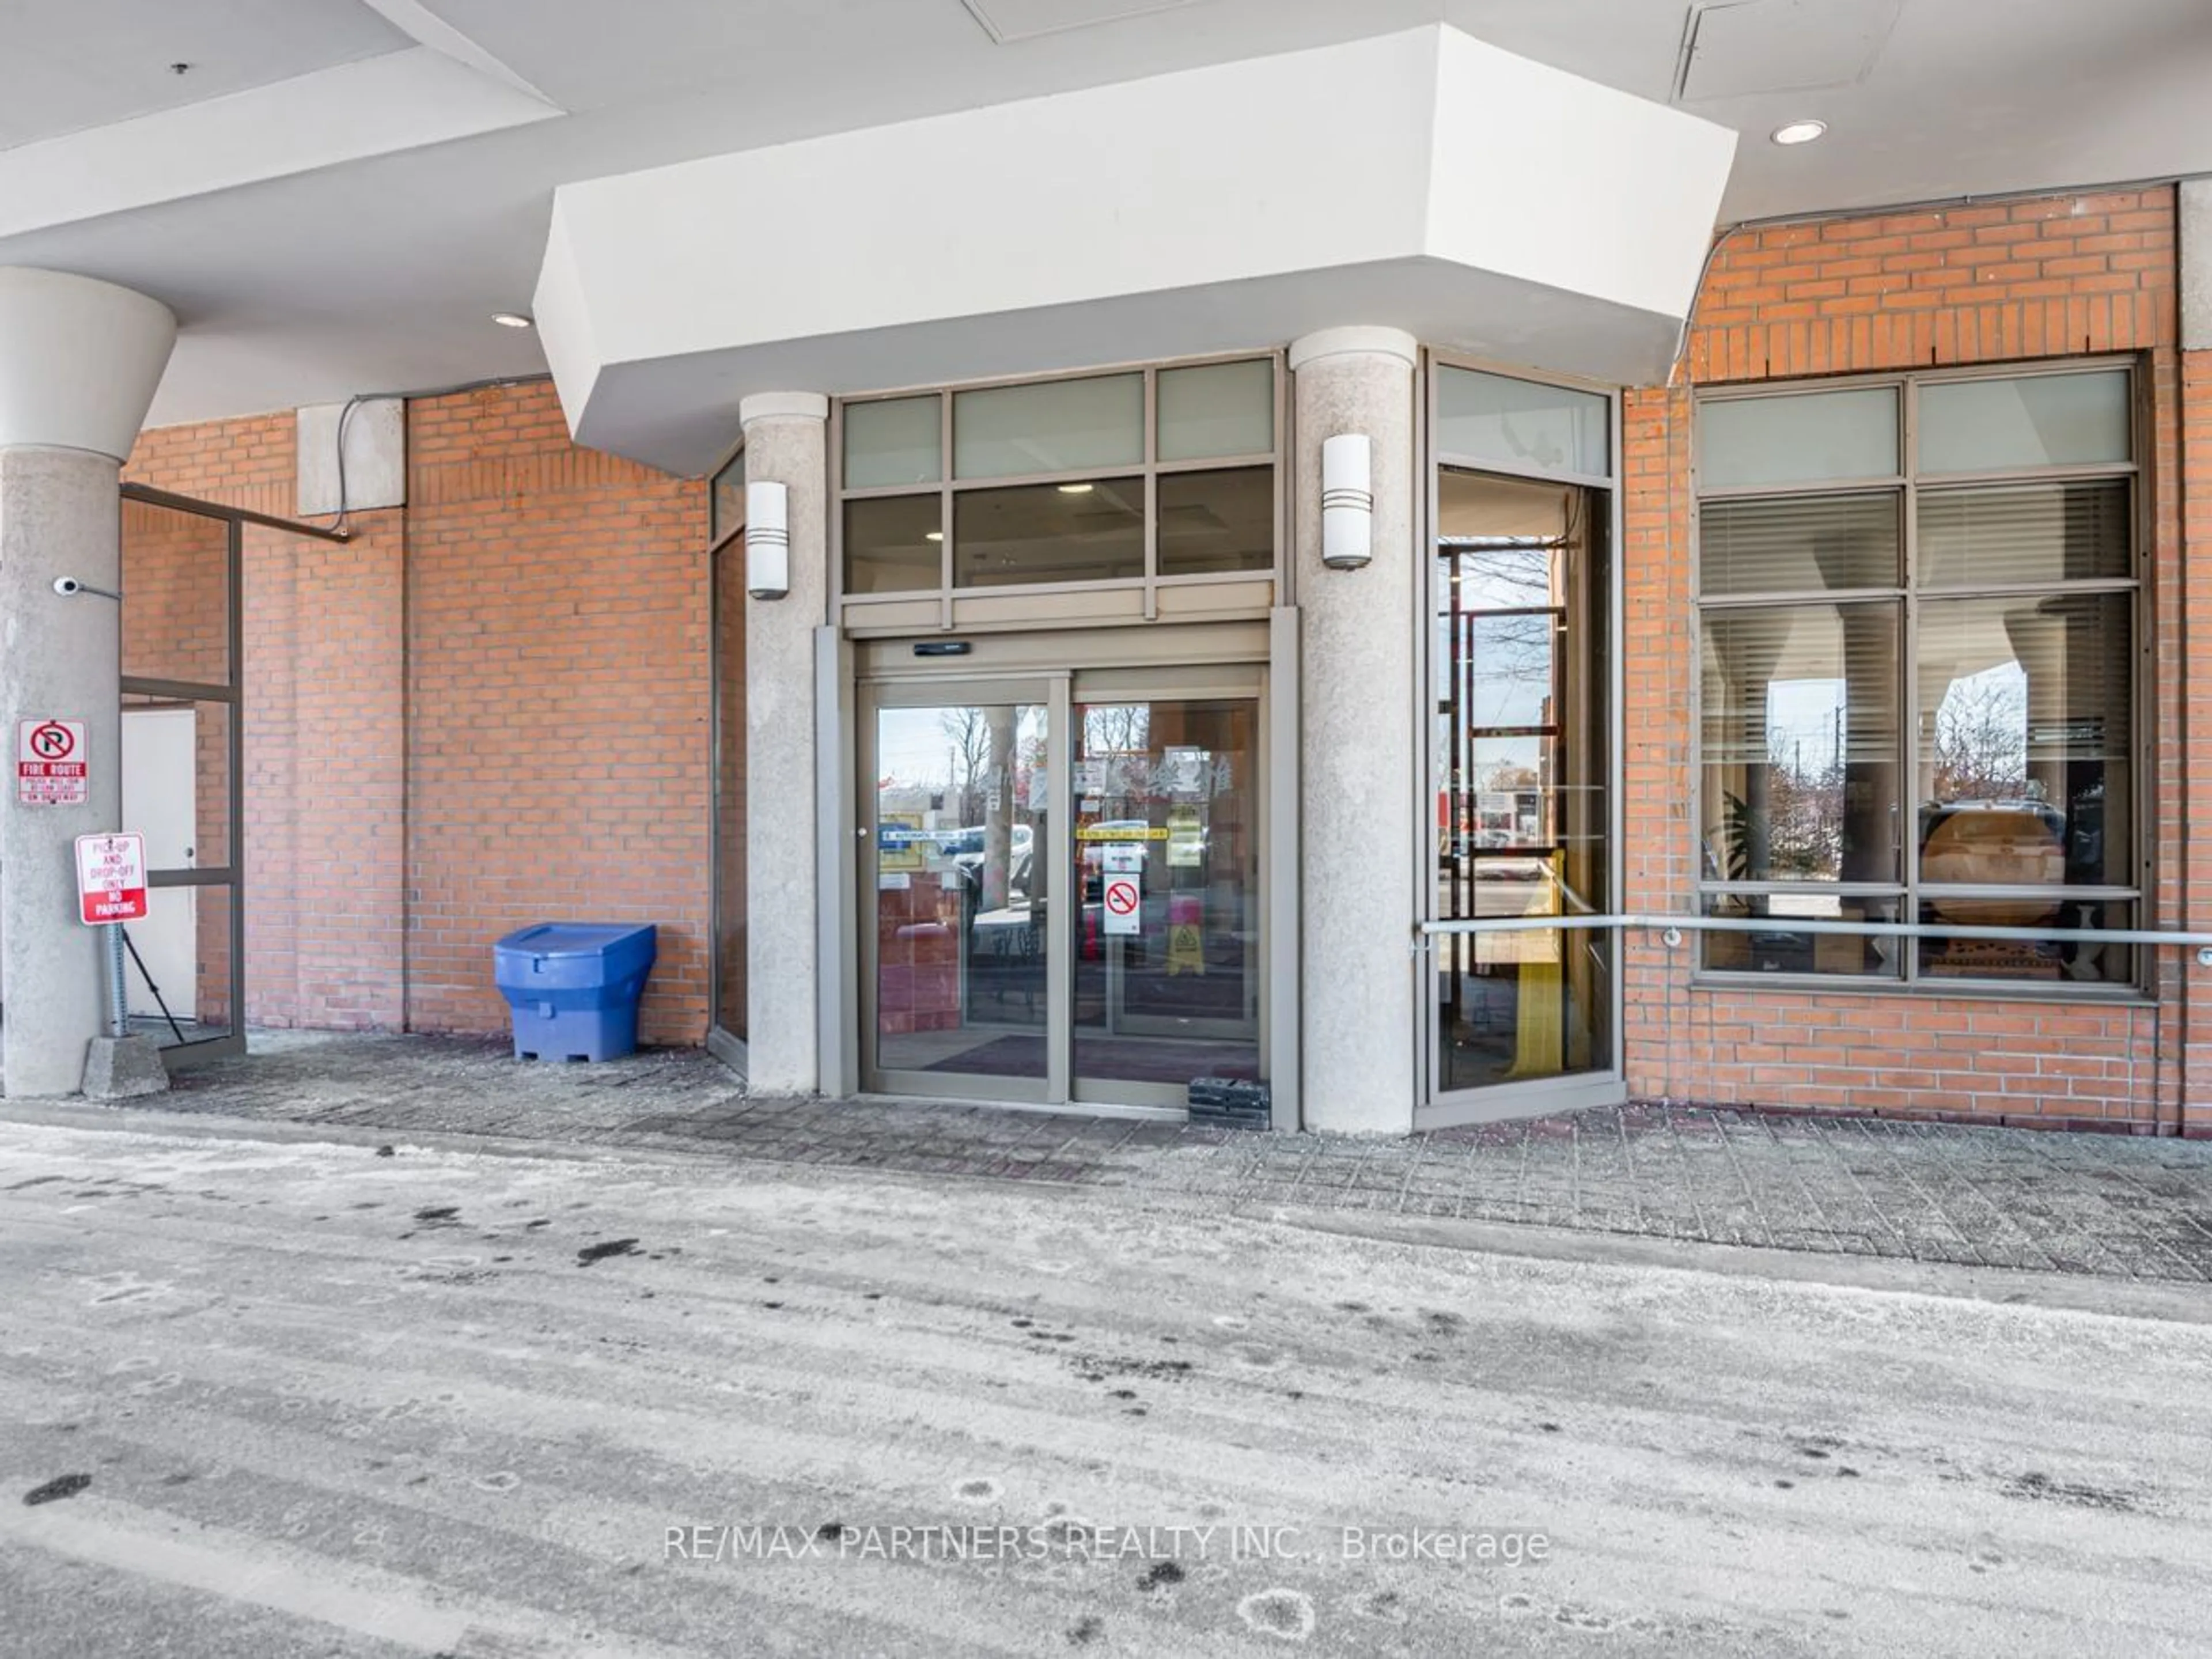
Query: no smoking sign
pixel 49 763
pixel 1123 898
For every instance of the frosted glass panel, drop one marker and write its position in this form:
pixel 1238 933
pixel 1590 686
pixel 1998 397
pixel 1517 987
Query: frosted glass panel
pixel 1804 438
pixel 1054 425
pixel 2043 420
pixel 892 443
pixel 1224 409
pixel 1521 424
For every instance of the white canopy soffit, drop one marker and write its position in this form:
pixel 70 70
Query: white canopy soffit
pixel 1421 179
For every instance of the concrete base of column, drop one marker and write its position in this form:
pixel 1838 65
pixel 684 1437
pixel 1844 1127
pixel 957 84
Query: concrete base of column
pixel 124 1069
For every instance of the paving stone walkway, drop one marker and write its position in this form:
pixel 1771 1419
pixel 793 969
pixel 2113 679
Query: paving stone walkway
pixel 2112 1206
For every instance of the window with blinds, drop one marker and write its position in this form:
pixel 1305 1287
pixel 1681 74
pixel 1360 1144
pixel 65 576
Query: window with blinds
pixel 1918 677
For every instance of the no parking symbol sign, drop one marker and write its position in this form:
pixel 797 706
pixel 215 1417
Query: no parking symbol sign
pixel 49 763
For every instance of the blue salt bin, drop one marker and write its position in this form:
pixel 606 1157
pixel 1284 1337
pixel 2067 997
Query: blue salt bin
pixel 573 988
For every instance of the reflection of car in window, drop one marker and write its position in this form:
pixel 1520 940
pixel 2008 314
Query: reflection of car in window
pixel 968 858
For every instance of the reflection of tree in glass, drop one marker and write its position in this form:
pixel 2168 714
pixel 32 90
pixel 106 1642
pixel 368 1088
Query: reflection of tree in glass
pixel 1121 734
pixel 969 732
pixel 1500 576
pixel 1805 814
pixel 1981 738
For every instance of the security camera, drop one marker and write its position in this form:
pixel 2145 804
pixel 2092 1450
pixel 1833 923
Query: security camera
pixel 66 586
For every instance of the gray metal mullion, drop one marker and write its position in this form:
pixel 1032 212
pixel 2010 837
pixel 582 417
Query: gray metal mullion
pixel 2059 473
pixel 947 533
pixel 1064 891
pixel 235 671
pixel 2092 585
pixel 1213 463
pixel 1757 601
pixel 134 685
pixel 1905 832
pixel 1799 489
pixel 1457 463
pixel 224 875
pixel 1109 473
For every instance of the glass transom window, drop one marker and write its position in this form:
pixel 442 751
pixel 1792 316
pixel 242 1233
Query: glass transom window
pixel 1916 666
pixel 1127 479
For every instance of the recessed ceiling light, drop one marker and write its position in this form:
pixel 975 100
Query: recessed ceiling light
pixel 1076 489
pixel 1799 132
pixel 512 319
pixel 933 535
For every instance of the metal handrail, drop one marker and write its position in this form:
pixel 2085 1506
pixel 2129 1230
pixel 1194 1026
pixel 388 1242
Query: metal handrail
pixel 1666 922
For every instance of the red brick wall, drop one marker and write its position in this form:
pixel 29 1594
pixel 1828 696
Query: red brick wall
pixel 558 703
pixel 484 710
pixel 2000 283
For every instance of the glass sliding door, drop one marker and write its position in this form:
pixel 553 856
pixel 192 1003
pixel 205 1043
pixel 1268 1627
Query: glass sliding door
pixel 958 979
pixel 1062 899
pixel 1521 587
pixel 1165 858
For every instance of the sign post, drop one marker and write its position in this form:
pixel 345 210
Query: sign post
pixel 51 767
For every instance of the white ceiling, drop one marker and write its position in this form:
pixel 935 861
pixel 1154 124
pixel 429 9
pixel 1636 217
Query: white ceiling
pixel 380 273
pixel 66 67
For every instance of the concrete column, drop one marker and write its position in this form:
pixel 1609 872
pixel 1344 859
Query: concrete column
pixel 786 443
pixel 1360 784
pixel 79 361
pixel 2196 265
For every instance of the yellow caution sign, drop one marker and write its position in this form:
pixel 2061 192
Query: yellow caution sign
pixel 1186 935
pixel 1186 951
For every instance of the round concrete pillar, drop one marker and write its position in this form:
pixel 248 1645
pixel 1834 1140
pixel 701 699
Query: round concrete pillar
pixel 785 443
pixel 79 361
pixel 1360 765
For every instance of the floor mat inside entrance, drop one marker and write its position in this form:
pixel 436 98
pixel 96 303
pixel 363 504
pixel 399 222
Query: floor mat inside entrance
pixel 1131 1059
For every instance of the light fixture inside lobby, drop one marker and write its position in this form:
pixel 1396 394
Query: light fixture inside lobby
pixel 1799 132
pixel 1077 489
pixel 512 319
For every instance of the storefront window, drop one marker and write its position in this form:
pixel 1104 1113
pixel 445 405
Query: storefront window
pixel 1917 687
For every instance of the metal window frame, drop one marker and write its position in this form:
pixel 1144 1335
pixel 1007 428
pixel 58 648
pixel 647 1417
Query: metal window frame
pixel 1908 484
pixel 717 537
pixel 728 1046
pixel 231 874
pixel 853 608
pixel 1436 1107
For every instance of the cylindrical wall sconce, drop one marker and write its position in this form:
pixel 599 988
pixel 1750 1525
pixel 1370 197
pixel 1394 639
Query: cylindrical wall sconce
pixel 1347 500
pixel 768 540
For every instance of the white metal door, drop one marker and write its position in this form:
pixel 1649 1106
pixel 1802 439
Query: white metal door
pixel 161 800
